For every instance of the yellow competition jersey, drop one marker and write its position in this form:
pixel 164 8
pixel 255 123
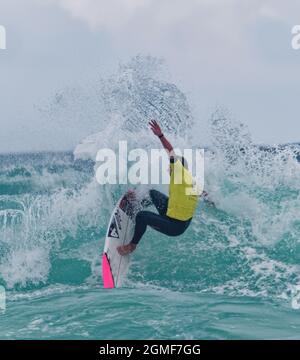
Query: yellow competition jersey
pixel 181 205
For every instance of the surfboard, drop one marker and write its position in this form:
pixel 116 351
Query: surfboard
pixel 119 232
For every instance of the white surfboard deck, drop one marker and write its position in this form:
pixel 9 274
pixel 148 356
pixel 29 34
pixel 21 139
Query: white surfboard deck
pixel 120 231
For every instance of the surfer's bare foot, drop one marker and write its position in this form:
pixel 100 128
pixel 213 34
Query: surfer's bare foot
pixel 126 249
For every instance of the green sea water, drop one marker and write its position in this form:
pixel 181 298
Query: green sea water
pixel 234 274
pixel 145 313
pixel 230 276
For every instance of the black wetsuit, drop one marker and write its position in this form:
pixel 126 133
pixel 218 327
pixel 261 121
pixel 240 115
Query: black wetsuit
pixel 160 222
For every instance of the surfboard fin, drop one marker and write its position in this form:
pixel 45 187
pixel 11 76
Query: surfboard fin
pixel 108 280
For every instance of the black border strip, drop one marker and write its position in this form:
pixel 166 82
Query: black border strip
pixel 91 348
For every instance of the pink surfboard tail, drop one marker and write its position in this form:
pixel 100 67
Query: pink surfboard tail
pixel 108 280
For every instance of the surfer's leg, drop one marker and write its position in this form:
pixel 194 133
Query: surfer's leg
pixel 168 226
pixel 141 222
pixel 160 201
pixel 160 223
pixel 163 224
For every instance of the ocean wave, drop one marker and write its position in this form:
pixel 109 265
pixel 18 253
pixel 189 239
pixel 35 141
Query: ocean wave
pixel 53 213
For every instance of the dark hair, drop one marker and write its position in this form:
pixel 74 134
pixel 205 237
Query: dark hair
pixel 184 162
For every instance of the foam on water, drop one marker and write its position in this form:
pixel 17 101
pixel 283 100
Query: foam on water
pixel 53 214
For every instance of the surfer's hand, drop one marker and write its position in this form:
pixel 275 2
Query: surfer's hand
pixel 155 128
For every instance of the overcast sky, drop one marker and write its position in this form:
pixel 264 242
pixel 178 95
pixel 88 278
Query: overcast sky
pixel 232 52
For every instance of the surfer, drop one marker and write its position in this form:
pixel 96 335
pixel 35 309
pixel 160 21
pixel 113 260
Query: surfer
pixel 174 212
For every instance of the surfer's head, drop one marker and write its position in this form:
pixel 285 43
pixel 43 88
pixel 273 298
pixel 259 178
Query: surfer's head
pixel 183 162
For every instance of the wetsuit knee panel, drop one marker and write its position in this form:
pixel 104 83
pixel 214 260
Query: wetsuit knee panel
pixel 141 215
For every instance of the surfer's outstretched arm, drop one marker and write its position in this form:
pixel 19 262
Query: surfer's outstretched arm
pixel 157 131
